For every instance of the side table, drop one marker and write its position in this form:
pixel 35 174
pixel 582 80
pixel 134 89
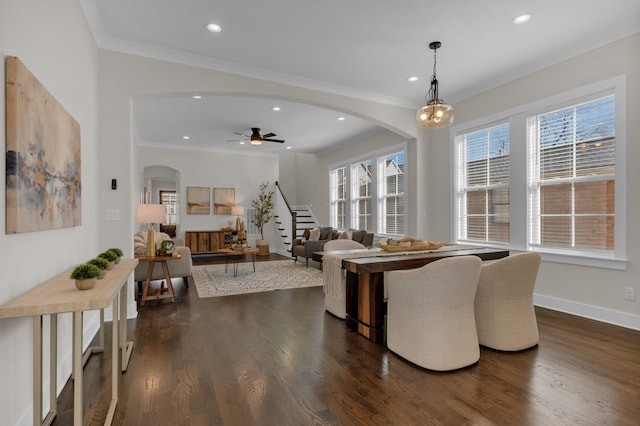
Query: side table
pixel 149 293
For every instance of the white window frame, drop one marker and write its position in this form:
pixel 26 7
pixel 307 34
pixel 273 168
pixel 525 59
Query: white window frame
pixel 373 156
pixel 383 196
pixel 333 200
pixel 462 189
pixel 356 197
pixel 519 156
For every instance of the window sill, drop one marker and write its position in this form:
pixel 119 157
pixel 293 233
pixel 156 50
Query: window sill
pixel 582 259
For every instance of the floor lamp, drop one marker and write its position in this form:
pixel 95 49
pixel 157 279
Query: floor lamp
pixel 151 214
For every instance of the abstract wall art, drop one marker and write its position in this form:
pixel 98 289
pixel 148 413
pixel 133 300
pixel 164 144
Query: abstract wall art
pixel 198 200
pixel 43 186
pixel 223 200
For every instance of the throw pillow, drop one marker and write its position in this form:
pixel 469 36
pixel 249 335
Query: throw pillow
pixel 335 235
pixel 314 235
pixel 305 234
pixel 343 236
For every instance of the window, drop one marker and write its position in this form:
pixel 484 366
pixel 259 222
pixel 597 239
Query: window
pixel 169 200
pixel 338 195
pixel 548 176
pixel 572 176
pixel 483 185
pixel 391 200
pixel 375 200
pixel 361 194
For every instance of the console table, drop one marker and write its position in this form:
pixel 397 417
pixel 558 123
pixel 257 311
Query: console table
pixel 60 295
pixel 365 284
pixel 207 241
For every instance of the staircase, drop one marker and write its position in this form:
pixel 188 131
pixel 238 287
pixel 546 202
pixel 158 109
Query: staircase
pixel 291 221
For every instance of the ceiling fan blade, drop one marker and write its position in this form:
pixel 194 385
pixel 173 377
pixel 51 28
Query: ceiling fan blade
pixel 273 140
pixel 237 140
pixel 268 135
pixel 240 134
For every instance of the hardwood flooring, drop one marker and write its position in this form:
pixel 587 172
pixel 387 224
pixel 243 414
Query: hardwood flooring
pixel 277 358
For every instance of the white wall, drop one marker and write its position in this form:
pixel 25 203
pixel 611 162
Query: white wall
pixel 52 39
pixel 588 291
pixel 245 173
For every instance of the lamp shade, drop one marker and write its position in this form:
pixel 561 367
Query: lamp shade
pixel 435 116
pixel 150 213
pixel 237 210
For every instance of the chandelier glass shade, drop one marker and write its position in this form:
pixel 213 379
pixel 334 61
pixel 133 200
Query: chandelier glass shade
pixel 435 114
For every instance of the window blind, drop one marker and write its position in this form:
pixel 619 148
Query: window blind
pixel 572 176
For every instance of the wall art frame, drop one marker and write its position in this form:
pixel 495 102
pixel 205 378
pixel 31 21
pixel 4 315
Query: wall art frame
pixel 223 200
pixel 198 200
pixel 43 160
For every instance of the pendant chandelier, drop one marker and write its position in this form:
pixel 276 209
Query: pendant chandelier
pixel 435 113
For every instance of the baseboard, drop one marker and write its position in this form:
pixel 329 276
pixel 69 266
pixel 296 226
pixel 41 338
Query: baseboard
pixel 609 316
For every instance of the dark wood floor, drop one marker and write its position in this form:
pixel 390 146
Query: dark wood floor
pixel 277 358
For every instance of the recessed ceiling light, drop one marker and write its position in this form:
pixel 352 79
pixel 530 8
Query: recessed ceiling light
pixel 521 19
pixel 341 118
pixel 197 97
pixel 275 108
pixel 241 142
pixel 412 79
pixel 185 137
pixel 214 28
pixel 288 147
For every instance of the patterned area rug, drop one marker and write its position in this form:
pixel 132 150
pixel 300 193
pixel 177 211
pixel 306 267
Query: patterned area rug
pixel 212 281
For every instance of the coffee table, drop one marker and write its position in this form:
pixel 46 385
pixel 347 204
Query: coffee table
pixel 234 255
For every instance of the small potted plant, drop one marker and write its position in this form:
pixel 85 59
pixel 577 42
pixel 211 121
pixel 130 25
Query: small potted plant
pixel 85 275
pixel 264 212
pixel 102 264
pixel 118 252
pixel 110 257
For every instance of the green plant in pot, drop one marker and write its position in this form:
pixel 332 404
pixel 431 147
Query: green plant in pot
pixel 118 252
pixel 109 256
pixel 85 275
pixel 264 212
pixel 102 264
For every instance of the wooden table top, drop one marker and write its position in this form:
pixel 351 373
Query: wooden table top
pixel 408 260
pixel 145 258
pixel 61 295
pixel 242 251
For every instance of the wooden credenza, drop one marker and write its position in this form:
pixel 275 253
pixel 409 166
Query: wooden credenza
pixel 207 241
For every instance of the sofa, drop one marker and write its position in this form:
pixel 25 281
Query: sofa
pixel 308 244
pixel 177 268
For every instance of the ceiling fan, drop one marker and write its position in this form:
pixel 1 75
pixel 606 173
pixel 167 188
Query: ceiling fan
pixel 256 138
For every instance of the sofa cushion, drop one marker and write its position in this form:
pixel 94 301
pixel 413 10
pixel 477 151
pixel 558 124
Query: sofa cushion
pixel 314 234
pixel 325 232
pixel 358 235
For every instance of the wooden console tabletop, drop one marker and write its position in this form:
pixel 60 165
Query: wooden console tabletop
pixel 59 295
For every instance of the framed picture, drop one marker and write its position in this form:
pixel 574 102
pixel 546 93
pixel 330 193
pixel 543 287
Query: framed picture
pixel 198 200
pixel 43 185
pixel 223 200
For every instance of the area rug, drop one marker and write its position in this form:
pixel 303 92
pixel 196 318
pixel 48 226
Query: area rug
pixel 213 281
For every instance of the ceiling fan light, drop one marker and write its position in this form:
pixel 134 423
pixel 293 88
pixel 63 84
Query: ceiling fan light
pixel 435 116
pixel 256 142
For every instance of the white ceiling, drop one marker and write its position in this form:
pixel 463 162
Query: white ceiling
pixel 362 48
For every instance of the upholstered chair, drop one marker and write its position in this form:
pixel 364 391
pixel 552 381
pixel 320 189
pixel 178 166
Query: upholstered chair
pixel 306 248
pixel 335 301
pixel 505 317
pixel 430 316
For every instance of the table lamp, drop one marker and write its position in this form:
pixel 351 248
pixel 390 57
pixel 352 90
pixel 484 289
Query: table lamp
pixel 238 210
pixel 151 214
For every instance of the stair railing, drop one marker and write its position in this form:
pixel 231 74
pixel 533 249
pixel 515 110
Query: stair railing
pixel 286 215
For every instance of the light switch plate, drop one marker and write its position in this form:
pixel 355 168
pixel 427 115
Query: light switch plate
pixel 112 215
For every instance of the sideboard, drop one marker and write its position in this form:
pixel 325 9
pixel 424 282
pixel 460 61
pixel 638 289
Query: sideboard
pixel 207 241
